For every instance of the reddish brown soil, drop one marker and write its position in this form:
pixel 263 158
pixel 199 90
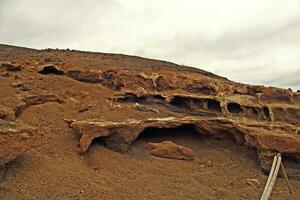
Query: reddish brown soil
pixel 55 170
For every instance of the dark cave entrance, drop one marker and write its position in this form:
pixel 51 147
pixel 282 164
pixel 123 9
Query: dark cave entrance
pixel 223 144
pixel 51 70
pixel 180 102
pixel 234 108
pixel 214 105
pixel 161 134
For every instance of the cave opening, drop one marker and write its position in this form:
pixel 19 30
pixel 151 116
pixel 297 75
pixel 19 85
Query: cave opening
pixel 266 112
pixel 223 145
pixel 51 70
pixel 160 134
pixel 180 102
pixel 234 108
pixel 214 105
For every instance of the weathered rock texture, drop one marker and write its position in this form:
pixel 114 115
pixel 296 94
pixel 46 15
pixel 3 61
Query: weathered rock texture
pixel 15 139
pixel 267 139
pixel 264 118
pixel 125 95
pixel 168 149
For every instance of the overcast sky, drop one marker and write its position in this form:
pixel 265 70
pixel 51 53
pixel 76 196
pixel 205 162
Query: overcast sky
pixel 254 41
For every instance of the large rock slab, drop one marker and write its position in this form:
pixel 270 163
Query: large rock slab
pixel 168 149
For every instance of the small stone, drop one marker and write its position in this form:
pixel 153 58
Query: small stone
pixel 140 92
pixel 24 135
pixel 84 108
pixel 209 163
pixel 253 182
pixel 115 106
pixel 95 167
pixel 17 84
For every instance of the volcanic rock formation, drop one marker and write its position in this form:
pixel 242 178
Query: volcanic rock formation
pixel 116 97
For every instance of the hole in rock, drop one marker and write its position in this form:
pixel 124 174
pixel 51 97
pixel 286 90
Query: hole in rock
pixel 234 108
pixel 254 112
pixel 221 149
pixel 266 112
pixel 180 102
pixel 51 70
pixel 214 105
pixel 142 99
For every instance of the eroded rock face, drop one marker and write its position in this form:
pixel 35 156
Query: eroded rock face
pixel 15 139
pixel 168 149
pixel 150 93
pixel 259 135
pixel 124 133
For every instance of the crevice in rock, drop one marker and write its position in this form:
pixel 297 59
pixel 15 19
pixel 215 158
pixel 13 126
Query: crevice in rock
pixel 234 108
pixel 266 112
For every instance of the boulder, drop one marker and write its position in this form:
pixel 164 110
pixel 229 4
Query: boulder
pixel 11 66
pixel 168 149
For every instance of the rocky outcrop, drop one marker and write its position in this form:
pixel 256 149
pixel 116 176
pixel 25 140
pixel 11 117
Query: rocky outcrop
pixel 231 106
pixel 262 136
pixel 8 66
pixel 168 149
pixel 122 134
pixel 149 94
pixel 15 139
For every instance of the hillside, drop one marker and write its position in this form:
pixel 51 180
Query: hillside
pixel 76 125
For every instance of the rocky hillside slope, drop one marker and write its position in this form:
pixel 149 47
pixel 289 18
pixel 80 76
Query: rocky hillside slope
pixel 51 100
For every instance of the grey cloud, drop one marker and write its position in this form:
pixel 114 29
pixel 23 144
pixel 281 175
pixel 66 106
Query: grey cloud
pixel 37 21
pixel 287 79
pixel 243 47
pixel 263 52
